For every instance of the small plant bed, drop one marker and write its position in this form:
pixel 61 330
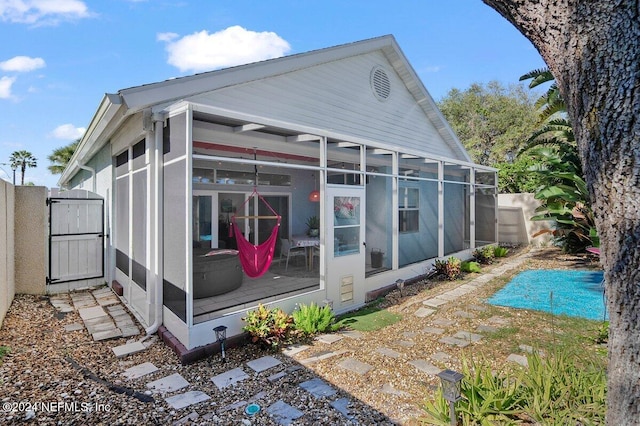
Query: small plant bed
pixel 370 318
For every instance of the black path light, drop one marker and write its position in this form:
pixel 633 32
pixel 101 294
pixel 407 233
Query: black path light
pixel 221 336
pixel 451 390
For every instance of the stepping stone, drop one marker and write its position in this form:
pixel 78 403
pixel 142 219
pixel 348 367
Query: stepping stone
pixel 529 349
pixel 294 349
pixel 318 388
pixel 441 356
pixel 388 352
pixel 406 343
pixel 319 356
pixel 433 330
pixel 264 363
pixel 129 348
pixel 464 314
pixel 168 384
pixel 465 335
pixel 329 338
pixel 389 389
pixel 109 300
pixel 139 370
pixel 107 334
pixel 73 327
pixel 229 378
pixel 129 331
pixel 409 334
pixel 283 413
pixel 486 329
pixel 277 376
pixel 449 296
pixel 425 366
pixel 449 340
pixel 92 312
pixel 233 406
pixel 498 320
pixel 520 359
pixel 186 399
pixel 478 308
pixel 342 405
pixel 443 322
pixel 115 309
pixel 353 334
pixel 356 366
pixel 435 302
pixel 423 312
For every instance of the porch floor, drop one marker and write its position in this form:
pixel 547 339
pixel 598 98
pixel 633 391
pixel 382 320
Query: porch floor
pixel 267 288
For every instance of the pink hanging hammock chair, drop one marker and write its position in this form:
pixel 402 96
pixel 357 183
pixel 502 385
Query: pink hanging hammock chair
pixel 256 259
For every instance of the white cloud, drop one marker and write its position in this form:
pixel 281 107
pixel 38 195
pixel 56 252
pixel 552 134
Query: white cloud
pixel 235 45
pixel 42 12
pixel 68 132
pixel 433 68
pixel 166 36
pixel 5 87
pixel 22 64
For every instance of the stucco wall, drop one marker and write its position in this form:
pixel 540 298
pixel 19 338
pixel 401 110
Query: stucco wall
pixel 515 226
pixel 7 281
pixel 30 239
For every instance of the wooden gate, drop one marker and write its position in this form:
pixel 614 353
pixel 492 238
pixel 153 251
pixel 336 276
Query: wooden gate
pixel 76 234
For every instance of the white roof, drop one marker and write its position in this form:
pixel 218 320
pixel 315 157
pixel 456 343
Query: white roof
pixel 114 108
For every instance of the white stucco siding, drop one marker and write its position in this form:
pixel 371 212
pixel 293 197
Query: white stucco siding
pixel 337 97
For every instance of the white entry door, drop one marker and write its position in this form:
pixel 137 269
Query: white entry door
pixel 345 245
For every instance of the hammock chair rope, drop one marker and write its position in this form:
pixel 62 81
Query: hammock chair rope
pixel 256 259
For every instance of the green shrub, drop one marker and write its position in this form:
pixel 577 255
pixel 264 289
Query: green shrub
pixel 499 251
pixel 470 267
pixel 312 319
pixel 269 327
pixel 449 268
pixel 559 389
pixel 484 255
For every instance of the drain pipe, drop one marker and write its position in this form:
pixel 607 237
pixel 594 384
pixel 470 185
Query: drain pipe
pixel 158 260
pixel 93 174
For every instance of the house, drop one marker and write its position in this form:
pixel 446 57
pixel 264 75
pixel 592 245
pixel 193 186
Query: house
pixel 175 161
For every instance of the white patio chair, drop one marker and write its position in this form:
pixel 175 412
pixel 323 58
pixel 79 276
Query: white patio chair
pixel 290 251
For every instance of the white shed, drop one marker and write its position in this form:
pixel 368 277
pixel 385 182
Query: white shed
pixel 347 134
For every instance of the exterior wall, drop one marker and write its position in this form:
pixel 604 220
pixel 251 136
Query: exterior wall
pixel 31 239
pixel 7 256
pixel 338 96
pixel 515 226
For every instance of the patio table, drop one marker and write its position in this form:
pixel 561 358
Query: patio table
pixel 308 243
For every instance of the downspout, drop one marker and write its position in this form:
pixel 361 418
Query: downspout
pixel 157 230
pixel 93 174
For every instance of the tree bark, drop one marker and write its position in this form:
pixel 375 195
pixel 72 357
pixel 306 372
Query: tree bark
pixel 592 47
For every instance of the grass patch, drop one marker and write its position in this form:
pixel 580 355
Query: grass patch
pixel 3 351
pixel 369 318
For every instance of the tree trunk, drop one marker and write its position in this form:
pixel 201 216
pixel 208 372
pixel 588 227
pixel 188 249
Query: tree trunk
pixel 592 47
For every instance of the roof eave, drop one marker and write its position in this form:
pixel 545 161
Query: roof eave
pixel 98 132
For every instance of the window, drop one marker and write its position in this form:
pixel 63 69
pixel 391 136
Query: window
pixel 409 213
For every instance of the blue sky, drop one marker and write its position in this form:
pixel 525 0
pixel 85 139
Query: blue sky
pixel 59 57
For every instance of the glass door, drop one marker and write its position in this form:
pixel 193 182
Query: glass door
pixel 345 245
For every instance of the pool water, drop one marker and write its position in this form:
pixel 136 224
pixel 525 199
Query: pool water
pixel 575 293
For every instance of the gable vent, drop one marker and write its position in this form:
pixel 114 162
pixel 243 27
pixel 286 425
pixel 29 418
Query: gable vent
pixel 380 83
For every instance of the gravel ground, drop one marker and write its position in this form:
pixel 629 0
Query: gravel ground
pixel 68 379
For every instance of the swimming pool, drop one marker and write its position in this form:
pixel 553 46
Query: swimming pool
pixel 575 293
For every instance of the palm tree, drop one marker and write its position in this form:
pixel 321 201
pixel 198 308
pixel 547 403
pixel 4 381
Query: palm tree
pixel 60 157
pixel 22 159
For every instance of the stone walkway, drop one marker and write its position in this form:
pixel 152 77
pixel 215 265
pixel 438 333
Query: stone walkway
pixel 105 317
